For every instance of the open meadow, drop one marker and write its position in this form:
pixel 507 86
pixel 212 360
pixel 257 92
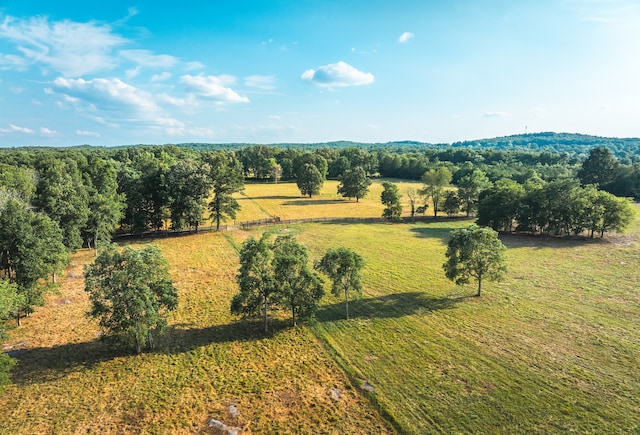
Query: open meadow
pixel 554 348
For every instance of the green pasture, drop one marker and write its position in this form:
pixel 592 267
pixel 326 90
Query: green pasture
pixel 554 348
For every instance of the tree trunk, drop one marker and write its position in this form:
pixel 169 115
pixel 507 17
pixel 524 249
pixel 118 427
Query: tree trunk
pixel 293 314
pixel 54 278
pixel 95 243
pixel 137 344
pixel 150 339
pixel 19 323
pixel 346 298
pixel 266 323
pixel 479 285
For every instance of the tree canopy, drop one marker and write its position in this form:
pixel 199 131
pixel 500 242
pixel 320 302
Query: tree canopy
pixel 390 198
pixel 475 252
pixel 309 180
pixel 344 267
pixel 354 183
pixel 435 181
pixel 130 293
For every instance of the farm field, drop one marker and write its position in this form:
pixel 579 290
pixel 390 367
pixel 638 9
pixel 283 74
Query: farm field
pixel 553 348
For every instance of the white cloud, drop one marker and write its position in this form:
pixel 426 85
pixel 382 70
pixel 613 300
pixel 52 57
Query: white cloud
pixel 87 133
pixel 406 36
pixel 112 102
pixel 266 83
pixel 338 74
pixel 133 72
pixel 213 88
pixel 192 66
pixel 74 49
pixel 147 59
pixel 44 131
pixel 495 114
pixel 11 61
pixel 15 129
pixel 161 77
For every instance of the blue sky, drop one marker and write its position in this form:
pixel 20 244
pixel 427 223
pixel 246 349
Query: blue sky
pixel 117 73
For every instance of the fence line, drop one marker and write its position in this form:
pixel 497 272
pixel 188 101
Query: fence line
pixel 245 225
pixel 277 221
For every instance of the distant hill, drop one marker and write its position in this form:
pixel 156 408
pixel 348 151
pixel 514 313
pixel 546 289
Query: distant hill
pixel 577 145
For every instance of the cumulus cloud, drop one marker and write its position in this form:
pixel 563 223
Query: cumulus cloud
pixel 112 101
pixel 335 75
pixel 15 129
pixel 73 49
pixel 87 133
pixel 214 88
pixel 44 131
pixel 406 36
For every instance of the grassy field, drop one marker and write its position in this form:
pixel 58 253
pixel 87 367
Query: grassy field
pixel 553 348
pixel 262 201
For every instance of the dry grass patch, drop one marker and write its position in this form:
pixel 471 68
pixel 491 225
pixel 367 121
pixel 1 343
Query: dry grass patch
pixel 208 365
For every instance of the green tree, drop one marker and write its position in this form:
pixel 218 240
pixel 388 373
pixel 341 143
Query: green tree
pixel 599 168
pixel 475 252
pixel 10 302
pixel 412 194
pixel 275 171
pixel 227 179
pixel 188 186
pixel 469 188
pixel 31 249
pixel 617 213
pixel 499 205
pixel 62 195
pixel 390 198
pixel 452 203
pixel 130 293
pixel 309 180
pixel 344 267
pixel 354 183
pixel 21 181
pixel 298 287
pixel 255 279
pixel 435 180
pixel 106 205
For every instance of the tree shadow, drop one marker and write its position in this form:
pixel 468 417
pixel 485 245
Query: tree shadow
pixel 311 201
pixel 266 197
pixel 540 241
pixel 433 232
pixel 45 364
pixel 393 305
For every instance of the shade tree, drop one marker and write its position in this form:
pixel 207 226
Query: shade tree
pixel 226 179
pixel 255 280
pixel 391 199
pixel 130 293
pixel 309 180
pixel 344 267
pixel 354 183
pixel 475 253
pixel 435 180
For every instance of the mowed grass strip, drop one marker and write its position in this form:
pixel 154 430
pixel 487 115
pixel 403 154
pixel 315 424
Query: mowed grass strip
pixel 553 348
pixel 207 366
